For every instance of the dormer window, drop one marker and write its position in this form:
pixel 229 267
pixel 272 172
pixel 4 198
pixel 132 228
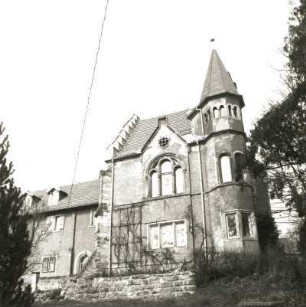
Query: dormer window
pixel 54 196
pixel 28 200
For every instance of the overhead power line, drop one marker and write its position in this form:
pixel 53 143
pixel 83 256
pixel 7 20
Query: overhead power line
pixel 88 101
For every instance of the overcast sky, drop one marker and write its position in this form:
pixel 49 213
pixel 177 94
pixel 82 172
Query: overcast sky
pixel 153 61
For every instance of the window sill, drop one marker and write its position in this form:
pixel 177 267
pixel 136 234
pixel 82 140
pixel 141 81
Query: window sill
pixel 165 196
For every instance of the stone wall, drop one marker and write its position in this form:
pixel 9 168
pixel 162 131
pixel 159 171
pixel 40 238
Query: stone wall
pixel 142 286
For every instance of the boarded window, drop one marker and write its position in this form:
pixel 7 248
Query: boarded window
pixel 246 223
pixel 231 225
pixel 226 173
pixel 180 234
pixel 166 235
pixel 179 180
pixel 154 236
pixel 154 185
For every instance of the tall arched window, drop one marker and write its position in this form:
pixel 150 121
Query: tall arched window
pixel 154 184
pixel 239 166
pixel 229 110
pixel 179 180
pixel 235 111
pixel 222 111
pixel 216 113
pixel 166 177
pixel 226 172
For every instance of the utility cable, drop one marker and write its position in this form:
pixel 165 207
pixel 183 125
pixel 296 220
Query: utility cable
pixel 88 102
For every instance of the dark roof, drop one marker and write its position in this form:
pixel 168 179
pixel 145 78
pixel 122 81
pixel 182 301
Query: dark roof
pixel 218 82
pixel 146 127
pixel 218 79
pixel 83 194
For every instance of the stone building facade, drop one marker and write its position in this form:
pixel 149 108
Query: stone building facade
pixel 173 184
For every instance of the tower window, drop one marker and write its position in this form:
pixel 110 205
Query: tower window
pixel 225 167
pixel 235 111
pixel 239 166
pixel 216 113
pixel 229 110
pixel 222 111
pixel 166 177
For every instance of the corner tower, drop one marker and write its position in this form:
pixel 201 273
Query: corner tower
pixel 227 199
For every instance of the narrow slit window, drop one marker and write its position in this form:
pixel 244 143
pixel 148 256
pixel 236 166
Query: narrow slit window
pixel 222 111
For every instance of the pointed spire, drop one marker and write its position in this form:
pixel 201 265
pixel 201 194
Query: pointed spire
pixel 218 80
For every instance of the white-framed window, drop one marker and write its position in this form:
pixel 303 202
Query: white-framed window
pixel 167 234
pixel 55 222
pixel 166 177
pixel 240 223
pixel 48 264
pixel 93 221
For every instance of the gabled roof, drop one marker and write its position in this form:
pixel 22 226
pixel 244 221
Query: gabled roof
pixel 83 194
pixel 218 80
pixel 146 127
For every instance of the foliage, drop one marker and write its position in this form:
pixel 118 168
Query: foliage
pixel 302 241
pixel 267 231
pixel 15 245
pixel 232 265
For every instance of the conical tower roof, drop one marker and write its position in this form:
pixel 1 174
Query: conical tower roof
pixel 218 80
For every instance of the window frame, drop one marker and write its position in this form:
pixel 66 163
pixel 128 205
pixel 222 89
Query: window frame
pixel 238 218
pixel 47 260
pixel 173 223
pixel 222 155
pixel 156 168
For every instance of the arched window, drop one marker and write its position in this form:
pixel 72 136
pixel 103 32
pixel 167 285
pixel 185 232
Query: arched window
pixel 222 111
pixel 239 166
pixel 83 261
pixel 179 180
pixel 229 110
pixel 226 172
pixel 216 112
pixel 166 177
pixel 235 111
pixel 154 184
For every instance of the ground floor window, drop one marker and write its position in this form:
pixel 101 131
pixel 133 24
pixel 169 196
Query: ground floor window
pixel 240 224
pixel 48 264
pixel 167 234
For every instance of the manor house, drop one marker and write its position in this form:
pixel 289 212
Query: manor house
pixel 174 184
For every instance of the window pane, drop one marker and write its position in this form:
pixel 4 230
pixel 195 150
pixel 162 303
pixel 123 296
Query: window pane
pixel 179 181
pixel 246 219
pixel 231 225
pixel 166 167
pixel 167 235
pixel 154 236
pixel 59 222
pixel 52 264
pixel 166 184
pixel 154 185
pixel 222 111
pixel 180 234
pixel 226 169
pixel 45 265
